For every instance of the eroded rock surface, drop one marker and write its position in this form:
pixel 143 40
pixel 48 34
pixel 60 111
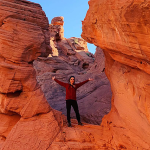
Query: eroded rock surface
pixel 27 120
pixel 121 29
pixel 73 58
pixel 24 36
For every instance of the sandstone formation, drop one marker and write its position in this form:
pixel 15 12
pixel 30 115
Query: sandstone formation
pixel 56 33
pixel 27 120
pixel 24 110
pixel 73 58
pixel 121 29
pixel 59 44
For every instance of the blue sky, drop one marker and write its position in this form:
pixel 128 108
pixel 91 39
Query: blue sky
pixel 72 11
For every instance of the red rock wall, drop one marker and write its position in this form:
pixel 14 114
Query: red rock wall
pixel 121 29
pixel 24 110
pixel 27 121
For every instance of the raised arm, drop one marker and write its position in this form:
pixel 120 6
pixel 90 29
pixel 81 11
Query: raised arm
pixel 81 83
pixel 59 82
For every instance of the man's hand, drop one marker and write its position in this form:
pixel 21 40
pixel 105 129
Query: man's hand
pixel 53 77
pixel 90 79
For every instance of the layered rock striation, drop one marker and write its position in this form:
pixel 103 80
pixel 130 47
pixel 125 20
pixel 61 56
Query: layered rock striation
pixel 24 110
pixel 121 29
pixel 27 120
pixel 73 58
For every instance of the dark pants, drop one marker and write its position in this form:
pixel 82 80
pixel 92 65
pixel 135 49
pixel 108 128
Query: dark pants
pixel 74 104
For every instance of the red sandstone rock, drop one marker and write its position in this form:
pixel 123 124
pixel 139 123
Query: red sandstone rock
pixel 56 33
pixel 27 120
pixel 7 123
pixel 93 98
pixel 37 133
pixel 54 48
pixel 121 29
pixel 99 63
pixel 77 44
pixel 23 37
pixel 122 34
pixel 58 21
pixel 70 46
pixel 73 58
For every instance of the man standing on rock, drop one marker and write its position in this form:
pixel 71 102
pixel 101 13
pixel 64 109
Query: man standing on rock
pixel 71 88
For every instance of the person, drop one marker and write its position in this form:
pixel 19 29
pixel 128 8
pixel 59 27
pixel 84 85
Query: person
pixel 71 88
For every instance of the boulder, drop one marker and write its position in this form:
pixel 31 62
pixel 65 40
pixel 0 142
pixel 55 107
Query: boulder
pixel 58 21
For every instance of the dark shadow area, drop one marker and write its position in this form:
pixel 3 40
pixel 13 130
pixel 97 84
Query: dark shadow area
pixel 13 95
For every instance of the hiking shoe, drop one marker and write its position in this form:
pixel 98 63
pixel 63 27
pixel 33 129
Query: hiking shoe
pixel 69 124
pixel 80 123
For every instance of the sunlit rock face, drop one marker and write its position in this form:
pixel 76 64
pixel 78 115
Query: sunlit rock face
pixel 60 45
pixel 24 35
pixel 121 29
pixel 27 121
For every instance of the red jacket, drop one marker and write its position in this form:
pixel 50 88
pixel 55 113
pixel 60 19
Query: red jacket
pixel 70 90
